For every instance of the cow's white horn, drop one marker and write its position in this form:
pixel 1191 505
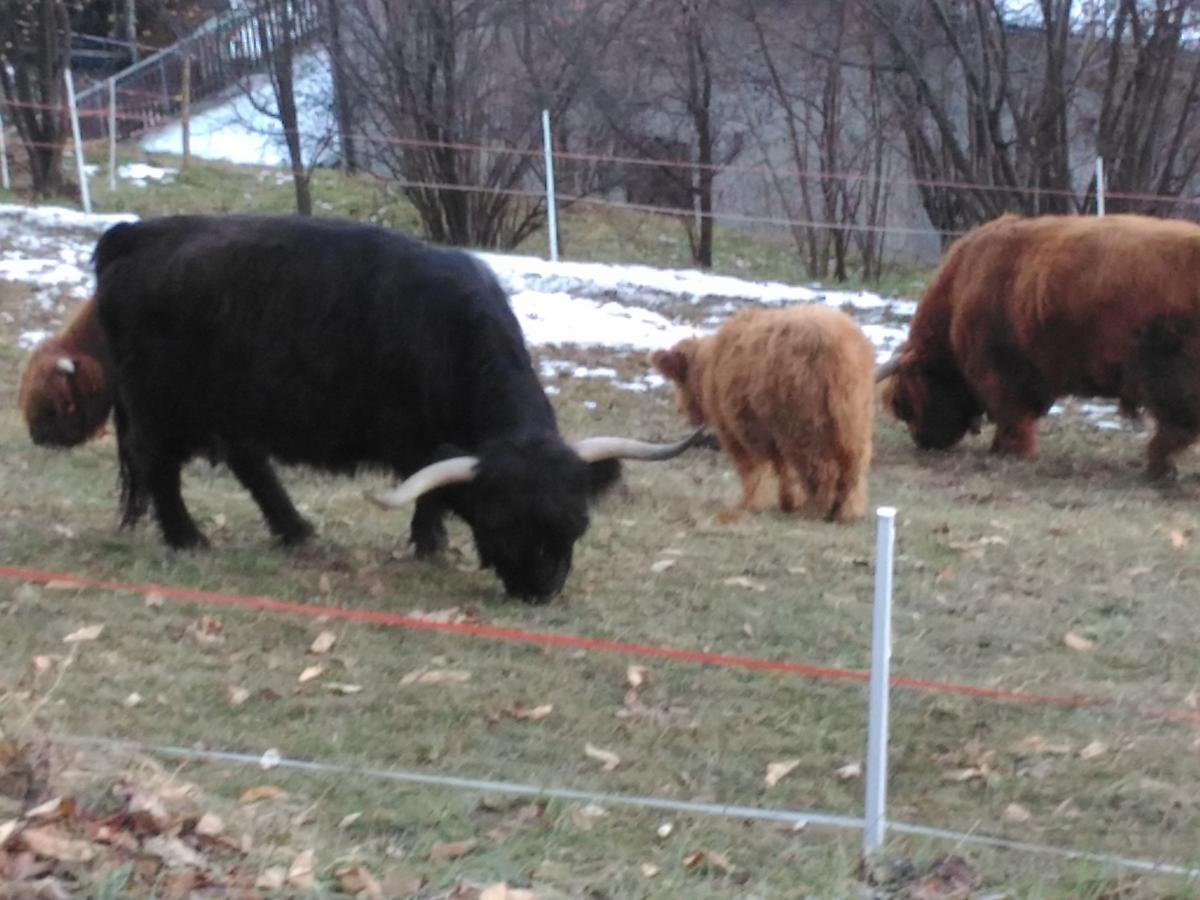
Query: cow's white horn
pixel 65 364
pixel 457 470
pixel 596 449
pixel 887 369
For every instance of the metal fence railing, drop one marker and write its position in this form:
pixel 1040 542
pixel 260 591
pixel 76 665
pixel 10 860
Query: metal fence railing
pixel 221 51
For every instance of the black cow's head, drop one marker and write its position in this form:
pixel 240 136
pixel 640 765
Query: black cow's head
pixel 937 405
pixel 526 500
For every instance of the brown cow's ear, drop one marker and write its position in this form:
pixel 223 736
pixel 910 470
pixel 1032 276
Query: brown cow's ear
pixel 672 363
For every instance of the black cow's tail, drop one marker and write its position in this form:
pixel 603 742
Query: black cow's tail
pixel 113 244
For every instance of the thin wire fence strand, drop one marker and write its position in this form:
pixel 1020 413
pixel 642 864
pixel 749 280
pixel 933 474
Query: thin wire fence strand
pixel 486 785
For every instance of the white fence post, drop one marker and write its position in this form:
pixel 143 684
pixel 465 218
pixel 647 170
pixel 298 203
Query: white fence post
pixel 875 817
pixel 1099 185
pixel 5 181
pixel 551 212
pixel 84 193
pixel 112 134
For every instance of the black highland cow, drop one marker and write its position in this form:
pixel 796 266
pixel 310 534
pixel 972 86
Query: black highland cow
pixel 342 346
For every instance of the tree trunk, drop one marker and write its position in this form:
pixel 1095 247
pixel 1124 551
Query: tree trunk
pixel 341 90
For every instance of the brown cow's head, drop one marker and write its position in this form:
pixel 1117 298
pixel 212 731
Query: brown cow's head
pixel 937 405
pixel 64 395
pixel 681 364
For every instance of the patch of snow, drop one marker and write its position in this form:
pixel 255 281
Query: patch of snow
pixel 141 174
pixel 240 126
pixel 560 318
pixel 27 340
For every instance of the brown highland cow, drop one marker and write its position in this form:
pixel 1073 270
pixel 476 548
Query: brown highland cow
pixel 1023 311
pixel 788 390
pixel 64 394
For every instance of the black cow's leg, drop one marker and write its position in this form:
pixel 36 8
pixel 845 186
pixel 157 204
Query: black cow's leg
pixel 178 527
pixel 254 471
pixel 428 530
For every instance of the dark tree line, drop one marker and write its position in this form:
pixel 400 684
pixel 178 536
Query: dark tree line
pixel 847 118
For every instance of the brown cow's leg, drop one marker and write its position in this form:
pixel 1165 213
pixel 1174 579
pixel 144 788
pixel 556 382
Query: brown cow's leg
pixel 1167 442
pixel 1017 437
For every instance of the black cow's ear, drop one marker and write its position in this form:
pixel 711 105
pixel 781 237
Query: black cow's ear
pixel 603 475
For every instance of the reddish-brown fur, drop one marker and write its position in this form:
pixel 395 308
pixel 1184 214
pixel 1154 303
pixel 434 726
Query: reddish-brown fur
pixel 788 390
pixel 60 408
pixel 1026 310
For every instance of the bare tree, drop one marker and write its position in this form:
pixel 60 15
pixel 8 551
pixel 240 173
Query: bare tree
pixel 667 95
pixel 451 96
pixel 335 46
pixel 828 114
pixel 281 26
pixel 35 40
pixel 1004 94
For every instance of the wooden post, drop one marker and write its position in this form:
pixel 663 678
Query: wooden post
pixel 185 121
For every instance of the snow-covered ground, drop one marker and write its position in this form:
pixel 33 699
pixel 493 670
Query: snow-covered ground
pixel 620 307
pixel 241 126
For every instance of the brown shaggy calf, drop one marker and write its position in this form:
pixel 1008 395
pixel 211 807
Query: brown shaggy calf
pixel 789 390
pixel 64 395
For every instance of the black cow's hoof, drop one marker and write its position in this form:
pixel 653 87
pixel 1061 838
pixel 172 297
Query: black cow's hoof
pixel 429 544
pixel 1161 473
pixel 190 541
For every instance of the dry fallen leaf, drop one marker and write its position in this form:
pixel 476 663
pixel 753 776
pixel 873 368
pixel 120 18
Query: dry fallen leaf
pixel 452 850
pixel 743 582
pixel 584 817
pixel 302 872
pixel 237 696
pixel 436 676
pixel 693 859
pixel 971 773
pixel 52 843
pixel 502 891
pixel 649 870
pixel 206 630
pixel 848 771
pixel 451 615
pixel 358 882
pixel 87 633
pixel 1092 750
pixel 270 759
pixel 340 687
pixel 271 879
pixel 310 673
pixel 262 792
pixel 51 809
pixel 7 830
pixel 154 600
pixel 1180 538
pixel 1078 642
pixel 174 853
pixel 134 699
pixel 664 830
pixel 778 770
pixel 1016 814
pixel 1035 743
pixel 209 825
pixel 607 758
pixel 531 713
pixel 42 663
pixel 323 642
pixel 349 820
pixel 637 676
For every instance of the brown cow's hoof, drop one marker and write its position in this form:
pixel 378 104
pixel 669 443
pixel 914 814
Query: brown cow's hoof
pixel 1161 472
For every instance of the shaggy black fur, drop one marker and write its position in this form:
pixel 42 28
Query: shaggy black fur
pixel 341 346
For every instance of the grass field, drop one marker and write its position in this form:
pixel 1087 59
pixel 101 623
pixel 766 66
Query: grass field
pixel 1002 566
